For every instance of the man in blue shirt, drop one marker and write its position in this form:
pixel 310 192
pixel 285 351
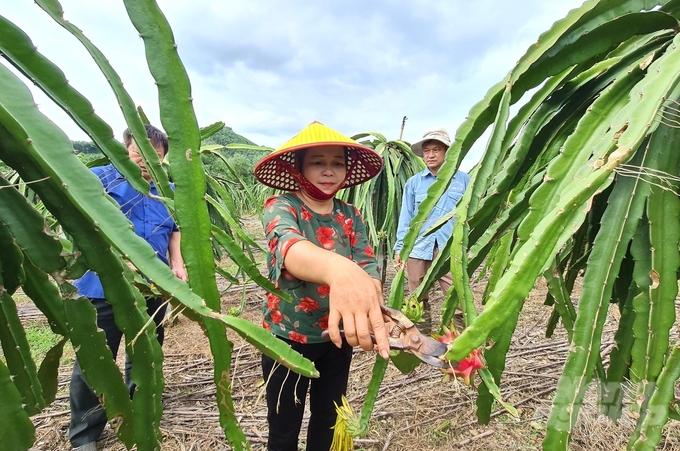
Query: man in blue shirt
pixel 153 222
pixel 433 149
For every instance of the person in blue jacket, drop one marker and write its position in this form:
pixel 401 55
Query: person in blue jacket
pixel 432 148
pixel 153 222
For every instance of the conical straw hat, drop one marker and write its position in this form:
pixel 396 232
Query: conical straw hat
pixel 274 170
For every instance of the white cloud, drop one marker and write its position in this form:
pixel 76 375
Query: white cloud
pixel 268 68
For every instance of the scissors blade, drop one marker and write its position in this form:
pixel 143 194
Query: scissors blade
pixel 436 361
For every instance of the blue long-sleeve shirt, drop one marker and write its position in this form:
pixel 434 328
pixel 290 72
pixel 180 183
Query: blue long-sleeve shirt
pixel 415 192
pixel 150 218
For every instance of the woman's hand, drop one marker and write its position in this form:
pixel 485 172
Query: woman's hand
pixel 355 299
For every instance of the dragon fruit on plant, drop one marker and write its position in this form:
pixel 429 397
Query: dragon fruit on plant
pixel 466 367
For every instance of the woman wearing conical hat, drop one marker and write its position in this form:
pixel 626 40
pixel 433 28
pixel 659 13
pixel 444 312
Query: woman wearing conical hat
pixel 319 253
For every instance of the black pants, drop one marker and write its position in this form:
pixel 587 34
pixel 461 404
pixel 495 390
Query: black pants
pixel 286 392
pixel 87 416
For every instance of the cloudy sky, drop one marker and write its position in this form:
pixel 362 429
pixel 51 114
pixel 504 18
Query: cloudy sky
pixel 267 68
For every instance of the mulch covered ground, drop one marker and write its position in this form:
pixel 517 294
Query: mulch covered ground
pixel 418 411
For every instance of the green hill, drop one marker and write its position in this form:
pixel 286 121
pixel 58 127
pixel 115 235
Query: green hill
pixel 228 136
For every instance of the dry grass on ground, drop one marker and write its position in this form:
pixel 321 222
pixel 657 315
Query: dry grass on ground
pixel 416 411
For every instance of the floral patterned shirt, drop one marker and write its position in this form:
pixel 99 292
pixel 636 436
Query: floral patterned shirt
pixel 287 220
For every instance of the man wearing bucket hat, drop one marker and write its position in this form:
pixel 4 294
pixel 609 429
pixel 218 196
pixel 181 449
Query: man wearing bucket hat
pixel 432 148
pixel 320 254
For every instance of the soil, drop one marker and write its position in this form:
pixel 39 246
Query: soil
pixel 416 411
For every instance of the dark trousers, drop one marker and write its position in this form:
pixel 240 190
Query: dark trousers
pixel 286 392
pixel 87 415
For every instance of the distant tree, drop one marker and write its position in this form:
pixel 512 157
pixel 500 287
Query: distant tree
pixel 88 158
pixel 87 147
pixel 243 167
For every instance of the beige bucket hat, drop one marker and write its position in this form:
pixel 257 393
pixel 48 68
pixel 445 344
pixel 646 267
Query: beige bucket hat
pixel 439 134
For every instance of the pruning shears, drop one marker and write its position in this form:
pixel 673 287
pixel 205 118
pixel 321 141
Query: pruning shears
pixel 403 335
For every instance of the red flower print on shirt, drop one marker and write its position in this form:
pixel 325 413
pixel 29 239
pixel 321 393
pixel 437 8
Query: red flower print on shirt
pixel 308 304
pixel 270 202
pixel 276 316
pixel 340 218
pixel 295 336
pixel 369 251
pixel 272 224
pixel 323 290
pixel 266 325
pixel 323 323
pixel 325 237
pixel 306 215
pixel 273 301
pixel 272 244
pixel 348 227
pixel 292 211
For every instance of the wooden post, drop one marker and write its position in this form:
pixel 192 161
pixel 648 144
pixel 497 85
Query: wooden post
pixel 403 123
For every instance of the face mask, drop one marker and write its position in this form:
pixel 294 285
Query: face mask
pixel 309 188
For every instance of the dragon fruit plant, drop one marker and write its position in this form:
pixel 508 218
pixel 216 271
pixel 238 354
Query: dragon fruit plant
pixel 41 258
